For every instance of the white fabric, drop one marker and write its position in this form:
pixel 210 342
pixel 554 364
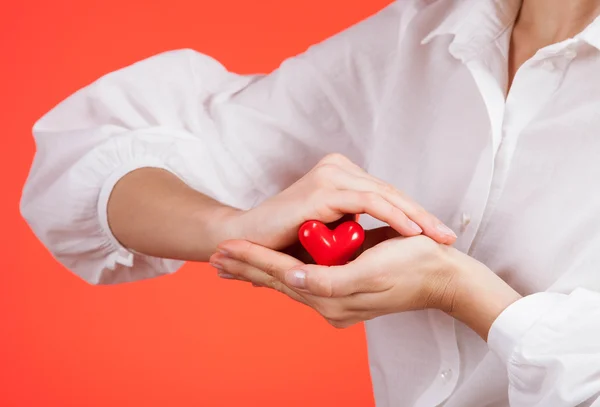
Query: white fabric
pixel 417 95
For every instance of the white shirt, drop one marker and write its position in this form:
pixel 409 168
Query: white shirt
pixel 416 95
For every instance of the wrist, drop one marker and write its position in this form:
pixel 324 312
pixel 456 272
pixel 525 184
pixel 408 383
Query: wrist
pixel 217 225
pixel 480 296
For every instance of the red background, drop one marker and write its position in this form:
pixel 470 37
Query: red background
pixel 184 340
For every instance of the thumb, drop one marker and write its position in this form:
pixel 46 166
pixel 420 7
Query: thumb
pixel 322 281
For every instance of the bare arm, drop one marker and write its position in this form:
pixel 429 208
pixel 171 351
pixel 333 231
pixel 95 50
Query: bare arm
pixel 152 211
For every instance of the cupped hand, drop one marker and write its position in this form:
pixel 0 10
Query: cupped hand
pixel 333 188
pixel 399 274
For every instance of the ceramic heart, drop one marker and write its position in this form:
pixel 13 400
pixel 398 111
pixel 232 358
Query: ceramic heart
pixel 331 247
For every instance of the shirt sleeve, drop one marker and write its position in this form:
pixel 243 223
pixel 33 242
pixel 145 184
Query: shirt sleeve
pixel 550 343
pixel 236 138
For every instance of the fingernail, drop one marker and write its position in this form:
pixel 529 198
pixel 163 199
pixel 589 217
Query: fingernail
pixel 223 252
pixel 414 226
pixel 446 230
pixel 216 265
pixel 226 276
pixel 296 278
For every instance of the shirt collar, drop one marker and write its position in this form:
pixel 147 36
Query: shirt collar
pixel 591 34
pixel 476 23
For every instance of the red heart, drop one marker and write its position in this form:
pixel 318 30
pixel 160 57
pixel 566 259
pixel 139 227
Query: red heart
pixel 331 247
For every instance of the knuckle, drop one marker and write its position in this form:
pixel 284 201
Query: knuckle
pixel 239 270
pixel 270 268
pixel 317 196
pixel 321 204
pixel 370 198
pixel 421 215
pixel 275 285
pixel 325 171
pixel 323 286
pixel 419 210
pixel 334 158
pixel 388 189
pixel 396 213
pixel 246 251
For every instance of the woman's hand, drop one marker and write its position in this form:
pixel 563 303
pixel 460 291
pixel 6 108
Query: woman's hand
pixel 397 275
pixel 332 189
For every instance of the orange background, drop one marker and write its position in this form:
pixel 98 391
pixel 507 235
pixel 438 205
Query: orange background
pixel 184 340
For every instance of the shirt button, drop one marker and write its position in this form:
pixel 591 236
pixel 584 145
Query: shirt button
pixel 465 220
pixel 548 65
pixel 570 54
pixel 446 375
pixel 124 257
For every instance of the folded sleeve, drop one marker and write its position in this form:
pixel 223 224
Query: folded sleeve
pixel 236 138
pixel 550 343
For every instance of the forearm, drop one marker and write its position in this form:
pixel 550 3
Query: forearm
pixel 152 211
pixel 480 295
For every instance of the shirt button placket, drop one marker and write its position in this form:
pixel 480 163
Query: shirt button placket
pixel 446 375
pixel 464 222
pixel 570 54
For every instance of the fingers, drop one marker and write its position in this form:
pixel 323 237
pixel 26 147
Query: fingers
pixel 431 225
pixel 349 201
pixel 246 272
pixel 339 312
pixel 271 262
pixel 317 280
pixel 339 294
pixel 334 282
pixel 342 174
pixel 415 219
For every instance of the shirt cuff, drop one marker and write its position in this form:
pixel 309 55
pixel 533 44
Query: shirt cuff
pixel 120 254
pixel 517 319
